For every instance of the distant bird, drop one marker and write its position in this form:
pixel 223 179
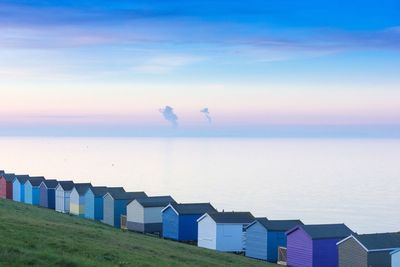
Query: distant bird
pixel 206 114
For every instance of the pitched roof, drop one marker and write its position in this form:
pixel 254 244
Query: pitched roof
pixel 395 251
pixel 66 185
pixel 50 183
pixel 36 181
pixel 379 241
pixel 115 189
pixel 232 217
pixel 278 225
pixel 36 177
pixel 98 190
pixel 324 231
pixel 192 208
pixel 9 177
pixel 122 195
pixel 157 201
pixel 81 188
pixel 22 178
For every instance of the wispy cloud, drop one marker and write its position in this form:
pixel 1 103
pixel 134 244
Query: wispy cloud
pixel 53 26
pixel 166 63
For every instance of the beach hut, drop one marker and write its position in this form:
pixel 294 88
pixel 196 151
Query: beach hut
pixel 32 191
pixel 94 201
pixel 77 199
pixel 6 185
pixel 315 245
pixel 395 258
pixel 115 203
pixel 19 188
pixel 144 214
pixel 63 192
pixel 223 231
pixel 179 221
pixel 372 250
pixel 48 194
pixel 263 237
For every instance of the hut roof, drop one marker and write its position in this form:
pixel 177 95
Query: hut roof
pixel 232 217
pixel 9 177
pixel 395 251
pixel 121 195
pixel 66 185
pixel 81 188
pixel 157 201
pixel 99 190
pixel 115 189
pixel 22 178
pixel 36 181
pixel 50 183
pixel 379 241
pixel 325 231
pixel 192 208
pixel 278 225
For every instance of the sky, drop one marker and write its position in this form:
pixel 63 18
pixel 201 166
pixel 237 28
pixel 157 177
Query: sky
pixel 261 67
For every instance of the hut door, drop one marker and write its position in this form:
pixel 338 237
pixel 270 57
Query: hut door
pixel 123 222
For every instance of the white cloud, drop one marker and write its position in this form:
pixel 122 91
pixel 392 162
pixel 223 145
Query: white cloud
pixel 166 63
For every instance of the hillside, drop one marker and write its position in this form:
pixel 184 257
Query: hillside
pixel 32 236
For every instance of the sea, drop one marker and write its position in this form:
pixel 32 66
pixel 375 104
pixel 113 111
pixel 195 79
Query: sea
pixel 351 181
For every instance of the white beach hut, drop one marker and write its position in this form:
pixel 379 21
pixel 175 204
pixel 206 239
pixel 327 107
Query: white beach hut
pixel 223 231
pixel 63 192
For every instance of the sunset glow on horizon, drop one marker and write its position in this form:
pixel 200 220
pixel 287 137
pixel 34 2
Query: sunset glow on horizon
pixel 252 64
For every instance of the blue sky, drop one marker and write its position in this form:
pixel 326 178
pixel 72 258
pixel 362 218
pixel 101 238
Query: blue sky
pixel 71 66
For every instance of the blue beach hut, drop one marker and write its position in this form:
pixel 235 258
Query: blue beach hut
pixel 395 257
pixel 263 237
pixel 94 203
pixel 32 190
pixel 179 221
pixel 19 188
pixel 77 199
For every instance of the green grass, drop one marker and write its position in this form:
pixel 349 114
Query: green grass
pixel 32 236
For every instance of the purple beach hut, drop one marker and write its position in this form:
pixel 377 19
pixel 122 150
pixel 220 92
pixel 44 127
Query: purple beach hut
pixel 48 194
pixel 315 245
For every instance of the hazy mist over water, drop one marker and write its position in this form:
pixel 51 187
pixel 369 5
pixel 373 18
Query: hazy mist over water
pixel 355 181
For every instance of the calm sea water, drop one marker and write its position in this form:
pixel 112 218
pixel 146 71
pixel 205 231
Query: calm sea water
pixel 317 180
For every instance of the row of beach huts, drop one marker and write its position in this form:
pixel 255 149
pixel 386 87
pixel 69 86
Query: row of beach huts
pixel 286 242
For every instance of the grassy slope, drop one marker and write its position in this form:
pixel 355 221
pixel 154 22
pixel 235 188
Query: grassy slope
pixel 40 237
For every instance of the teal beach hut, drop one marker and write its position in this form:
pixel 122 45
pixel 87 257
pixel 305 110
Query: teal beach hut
pixel 32 190
pixel 19 187
pixel 94 203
